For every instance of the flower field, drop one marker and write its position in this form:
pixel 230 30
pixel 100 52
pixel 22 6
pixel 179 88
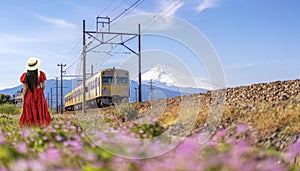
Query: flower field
pixel 65 145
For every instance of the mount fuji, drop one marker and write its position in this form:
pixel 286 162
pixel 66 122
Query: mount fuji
pixel 168 82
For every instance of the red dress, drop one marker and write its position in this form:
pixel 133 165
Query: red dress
pixel 35 108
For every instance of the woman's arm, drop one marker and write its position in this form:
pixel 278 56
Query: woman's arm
pixel 24 91
pixel 43 85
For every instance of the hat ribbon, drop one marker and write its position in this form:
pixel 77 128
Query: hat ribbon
pixel 31 65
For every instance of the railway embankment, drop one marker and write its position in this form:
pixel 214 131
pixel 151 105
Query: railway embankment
pixel 269 112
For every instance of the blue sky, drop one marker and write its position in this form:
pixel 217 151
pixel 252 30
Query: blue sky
pixel 256 40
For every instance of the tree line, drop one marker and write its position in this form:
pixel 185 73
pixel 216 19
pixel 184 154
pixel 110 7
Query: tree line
pixel 4 98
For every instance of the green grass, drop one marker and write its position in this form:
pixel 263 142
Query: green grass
pixel 10 109
pixel 52 111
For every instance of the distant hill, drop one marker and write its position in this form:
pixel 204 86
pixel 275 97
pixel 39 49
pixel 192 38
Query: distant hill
pixel 161 91
pixel 49 84
pixel 11 91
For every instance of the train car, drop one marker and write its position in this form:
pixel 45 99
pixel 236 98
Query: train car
pixel 107 87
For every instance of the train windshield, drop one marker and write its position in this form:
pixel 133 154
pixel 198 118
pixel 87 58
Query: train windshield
pixel 107 80
pixel 122 80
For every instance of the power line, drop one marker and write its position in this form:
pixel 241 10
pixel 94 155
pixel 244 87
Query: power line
pixel 127 10
pixel 78 42
pixel 161 10
pixel 110 53
pixel 123 14
pixel 116 7
pixel 165 7
pixel 73 63
pixel 107 7
pixel 164 13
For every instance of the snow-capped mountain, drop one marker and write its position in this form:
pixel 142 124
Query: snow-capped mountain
pixel 168 77
pixel 160 73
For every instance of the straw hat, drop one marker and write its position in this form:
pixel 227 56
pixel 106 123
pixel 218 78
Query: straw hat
pixel 32 63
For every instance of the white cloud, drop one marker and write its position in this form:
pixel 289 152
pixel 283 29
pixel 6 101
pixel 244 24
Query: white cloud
pixel 58 22
pixel 164 19
pixel 13 44
pixel 207 4
pixel 170 8
pixel 245 65
pixel 9 38
pixel 254 64
pixel 163 7
pixel 159 18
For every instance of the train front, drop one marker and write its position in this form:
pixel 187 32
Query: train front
pixel 115 86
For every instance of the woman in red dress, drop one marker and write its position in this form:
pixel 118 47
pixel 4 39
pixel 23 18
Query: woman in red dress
pixel 35 109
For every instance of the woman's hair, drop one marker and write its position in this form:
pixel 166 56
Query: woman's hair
pixel 31 79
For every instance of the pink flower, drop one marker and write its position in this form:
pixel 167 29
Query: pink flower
pixel 2 139
pixel 293 151
pixel 73 128
pixel 53 155
pixel 21 147
pixel 241 128
pixel 271 165
pixel 27 165
pixel 58 138
pixel 3 169
pixel 131 125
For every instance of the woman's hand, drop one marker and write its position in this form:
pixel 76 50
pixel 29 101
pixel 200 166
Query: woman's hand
pixel 24 90
pixel 43 85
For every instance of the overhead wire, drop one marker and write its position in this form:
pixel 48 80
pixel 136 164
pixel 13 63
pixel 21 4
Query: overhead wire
pixel 161 10
pixel 78 42
pixel 127 10
pixel 107 7
pixel 175 5
pixel 165 13
pixel 123 14
pixel 116 7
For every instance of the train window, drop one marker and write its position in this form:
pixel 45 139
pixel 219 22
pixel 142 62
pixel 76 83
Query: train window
pixel 107 80
pixel 122 80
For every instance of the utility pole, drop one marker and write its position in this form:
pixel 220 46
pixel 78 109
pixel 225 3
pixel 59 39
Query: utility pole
pixel 48 99
pixel 92 70
pixel 151 90
pixel 83 67
pixel 51 98
pixel 136 94
pixel 56 78
pixel 140 65
pixel 61 86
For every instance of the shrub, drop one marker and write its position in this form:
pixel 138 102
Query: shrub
pixel 4 98
pixel 9 109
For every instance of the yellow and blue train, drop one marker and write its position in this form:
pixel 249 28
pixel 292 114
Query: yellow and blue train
pixel 104 88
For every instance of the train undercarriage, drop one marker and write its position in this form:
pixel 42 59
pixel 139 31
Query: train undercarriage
pixel 98 103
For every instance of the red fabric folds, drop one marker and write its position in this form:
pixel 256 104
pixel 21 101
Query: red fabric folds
pixel 35 108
